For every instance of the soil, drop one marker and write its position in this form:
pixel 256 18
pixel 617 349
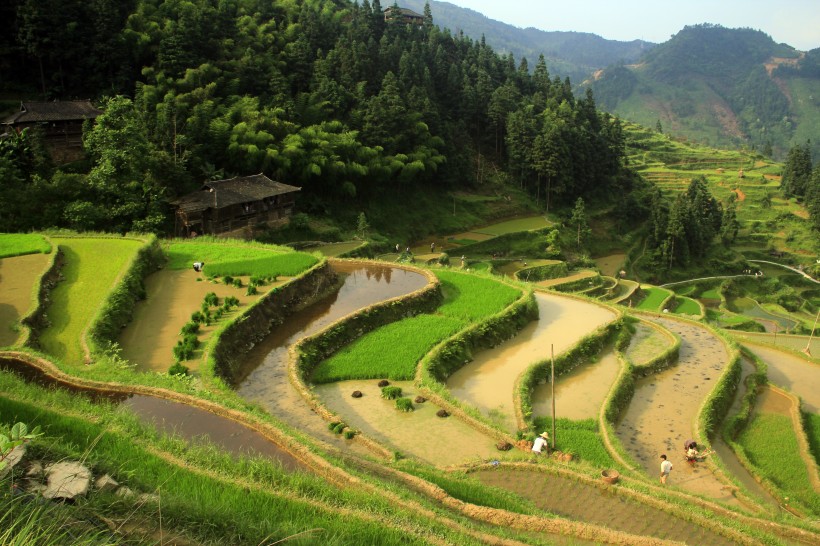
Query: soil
pixel 264 376
pixel 664 409
pixel 488 381
pixel 17 278
pixel 172 296
pixel 579 393
pixel 576 277
pixel 610 265
pixel 597 505
pixel 419 433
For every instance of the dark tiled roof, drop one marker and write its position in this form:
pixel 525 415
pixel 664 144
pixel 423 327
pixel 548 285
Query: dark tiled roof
pixel 33 112
pixel 242 189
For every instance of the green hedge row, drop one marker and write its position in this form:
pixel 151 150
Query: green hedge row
pixel 118 308
pixel 737 422
pixel 586 350
pixel 542 272
pixel 579 285
pixel 231 341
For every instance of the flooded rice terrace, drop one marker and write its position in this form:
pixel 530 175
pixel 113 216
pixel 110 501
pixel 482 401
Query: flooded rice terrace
pixel 17 278
pixel 487 382
pixel 420 433
pixel 264 375
pixel 661 415
pixel 791 372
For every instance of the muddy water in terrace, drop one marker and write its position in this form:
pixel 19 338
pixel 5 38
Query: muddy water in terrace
pixel 264 378
pixel 173 418
pixel 487 382
pixel 663 411
pixel 194 423
pixel 793 373
pixel 579 393
pixel 597 505
pixel 17 278
pixel 420 433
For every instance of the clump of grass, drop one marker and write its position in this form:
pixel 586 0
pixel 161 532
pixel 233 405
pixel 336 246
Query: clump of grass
pixel 185 347
pixel 391 393
pixel 178 369
pixel 404 404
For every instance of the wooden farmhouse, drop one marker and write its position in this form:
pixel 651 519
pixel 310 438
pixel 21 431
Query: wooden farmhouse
pixel 404 16
pixel 61 123
pixel 233 207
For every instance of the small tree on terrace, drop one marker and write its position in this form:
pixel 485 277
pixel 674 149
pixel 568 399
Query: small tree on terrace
pixel 362 226
pixel 579 219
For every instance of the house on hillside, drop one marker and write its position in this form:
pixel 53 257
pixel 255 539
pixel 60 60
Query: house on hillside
pixel 61 123
pixel 233 207
pixel 395 14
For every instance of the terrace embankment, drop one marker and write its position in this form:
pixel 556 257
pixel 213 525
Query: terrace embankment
pixel 488 381
pixel 18 275
pixel 263 377
pixel 664 409
pixel 597 505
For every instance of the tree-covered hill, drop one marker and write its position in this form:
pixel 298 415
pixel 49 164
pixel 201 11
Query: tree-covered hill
pixel 570 54
pixel 719 86
pixel 325 95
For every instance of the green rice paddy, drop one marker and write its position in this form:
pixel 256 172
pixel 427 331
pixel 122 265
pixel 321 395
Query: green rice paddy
pixel 238 258
pixel 19 244
pixel 771 445
pixel 471 298
pixel 92 267
pixel 654 298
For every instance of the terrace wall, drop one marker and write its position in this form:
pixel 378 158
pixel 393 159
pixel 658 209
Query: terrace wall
pixel 271 310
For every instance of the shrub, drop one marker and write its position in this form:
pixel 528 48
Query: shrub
pixel 212 299
pixel 178 369
pixel 404 404
pixel 391 393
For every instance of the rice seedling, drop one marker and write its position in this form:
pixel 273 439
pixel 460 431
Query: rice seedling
pixel 19 244
pixel 811 423
pixel 91 269
pixel 237 258
pixel 390 351
pixel 771 445
pixel 687 306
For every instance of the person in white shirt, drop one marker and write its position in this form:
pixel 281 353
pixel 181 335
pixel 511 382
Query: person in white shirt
pixel 540 443
pixel 666 468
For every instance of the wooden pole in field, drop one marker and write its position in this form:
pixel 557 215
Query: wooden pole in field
pixel 552 380
pixel 807 350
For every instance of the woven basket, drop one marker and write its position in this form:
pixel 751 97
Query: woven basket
pixel 610 476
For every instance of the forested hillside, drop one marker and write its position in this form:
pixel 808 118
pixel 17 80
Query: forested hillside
pixel 570 54
pixel 719 86
pixel 322 94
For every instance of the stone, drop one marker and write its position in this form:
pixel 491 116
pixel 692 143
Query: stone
pixel 124 492
pixel 67 480
pixel 106 484
pixel 35 471
pixel 11 460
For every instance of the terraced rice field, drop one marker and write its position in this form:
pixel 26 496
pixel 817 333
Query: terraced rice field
pixel 17 279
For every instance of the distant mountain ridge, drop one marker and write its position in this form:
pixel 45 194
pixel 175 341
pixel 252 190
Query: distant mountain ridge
pixel 720 86
pixel 568 54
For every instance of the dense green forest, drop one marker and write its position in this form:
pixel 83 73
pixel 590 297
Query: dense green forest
pixel 322 94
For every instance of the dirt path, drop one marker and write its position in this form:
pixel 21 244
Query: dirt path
pixel 17 278
pixel 664 409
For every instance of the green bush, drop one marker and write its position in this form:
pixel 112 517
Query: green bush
pixel 404 404
pixel 190 327
pixel 391 393
pixel 178 369
pixel 212 299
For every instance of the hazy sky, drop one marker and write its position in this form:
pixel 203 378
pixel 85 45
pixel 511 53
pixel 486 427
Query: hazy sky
pixel 795 22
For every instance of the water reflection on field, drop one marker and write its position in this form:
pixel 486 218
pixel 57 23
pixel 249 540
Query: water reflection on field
pixel 17 278
pixel 487 382
pixel 264 377
pixel 791 372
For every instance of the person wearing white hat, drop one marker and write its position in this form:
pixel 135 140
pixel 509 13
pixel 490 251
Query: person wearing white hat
pixel 540 443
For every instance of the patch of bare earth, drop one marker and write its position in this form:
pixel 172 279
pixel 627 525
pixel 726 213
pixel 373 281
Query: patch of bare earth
pixel 727 119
